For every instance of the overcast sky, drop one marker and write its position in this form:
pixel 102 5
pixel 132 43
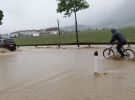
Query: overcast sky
pixel 40 14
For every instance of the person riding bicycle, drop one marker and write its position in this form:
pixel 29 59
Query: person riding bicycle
pixel 117 35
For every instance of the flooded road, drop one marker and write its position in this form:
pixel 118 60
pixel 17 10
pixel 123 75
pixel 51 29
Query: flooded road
pixel 66 73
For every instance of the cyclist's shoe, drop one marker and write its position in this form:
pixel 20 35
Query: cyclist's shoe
pixel 122 57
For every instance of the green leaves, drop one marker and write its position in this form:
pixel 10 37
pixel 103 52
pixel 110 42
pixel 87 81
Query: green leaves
pixel 70 6
pixel 1 16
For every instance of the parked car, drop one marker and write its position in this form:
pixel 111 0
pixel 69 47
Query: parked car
pixel 8 44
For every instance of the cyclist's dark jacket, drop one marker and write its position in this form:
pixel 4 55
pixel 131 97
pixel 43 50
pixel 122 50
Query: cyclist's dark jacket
pixel 117 36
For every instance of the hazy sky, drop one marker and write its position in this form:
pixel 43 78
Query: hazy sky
pixel 40 14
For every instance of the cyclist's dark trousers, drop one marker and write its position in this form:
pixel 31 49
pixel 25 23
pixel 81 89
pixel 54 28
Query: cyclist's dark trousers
pixel 119 47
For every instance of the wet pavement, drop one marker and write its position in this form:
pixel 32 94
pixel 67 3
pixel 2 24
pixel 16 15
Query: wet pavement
pixel 66 73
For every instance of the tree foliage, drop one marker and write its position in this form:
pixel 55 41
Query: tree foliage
pixel 69 6
pixel 1 16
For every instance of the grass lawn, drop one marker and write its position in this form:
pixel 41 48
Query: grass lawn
pixel 70 37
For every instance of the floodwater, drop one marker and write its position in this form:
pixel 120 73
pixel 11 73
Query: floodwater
pixel 65 73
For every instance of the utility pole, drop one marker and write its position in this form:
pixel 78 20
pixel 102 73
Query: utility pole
pixel 58 27
pixel 89 27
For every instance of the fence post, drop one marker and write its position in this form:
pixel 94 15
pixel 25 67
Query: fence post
pixel 95 62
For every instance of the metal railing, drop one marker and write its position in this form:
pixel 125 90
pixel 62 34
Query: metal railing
pixel 59 44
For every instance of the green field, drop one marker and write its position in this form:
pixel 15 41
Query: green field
pixel 70 37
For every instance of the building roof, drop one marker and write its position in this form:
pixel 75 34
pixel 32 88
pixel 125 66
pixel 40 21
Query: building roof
pixel 52 29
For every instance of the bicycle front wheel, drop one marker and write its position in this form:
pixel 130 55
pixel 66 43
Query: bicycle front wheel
pixel 108 53
pixel 129 53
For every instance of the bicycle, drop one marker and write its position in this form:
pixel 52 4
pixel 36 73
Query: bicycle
pixel 112 51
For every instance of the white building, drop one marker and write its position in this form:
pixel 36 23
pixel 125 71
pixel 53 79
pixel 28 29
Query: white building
pixel 53 30
pixel 14 34
pixel 5 36
pixel 25 33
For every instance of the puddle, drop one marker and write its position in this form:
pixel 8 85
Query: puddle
pixel 64 73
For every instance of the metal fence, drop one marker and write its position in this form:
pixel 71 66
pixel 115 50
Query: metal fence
pixel 77 44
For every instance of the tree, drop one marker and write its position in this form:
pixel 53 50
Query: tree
pixel 72 6
pixel 1 16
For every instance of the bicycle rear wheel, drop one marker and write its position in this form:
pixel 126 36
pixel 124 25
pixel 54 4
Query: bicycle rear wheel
pixel 108 53
pixel 129 53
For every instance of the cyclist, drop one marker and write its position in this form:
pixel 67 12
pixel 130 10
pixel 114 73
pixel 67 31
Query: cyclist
pixel 117 35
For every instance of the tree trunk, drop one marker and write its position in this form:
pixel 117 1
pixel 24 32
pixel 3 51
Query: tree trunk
pixel 76 29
